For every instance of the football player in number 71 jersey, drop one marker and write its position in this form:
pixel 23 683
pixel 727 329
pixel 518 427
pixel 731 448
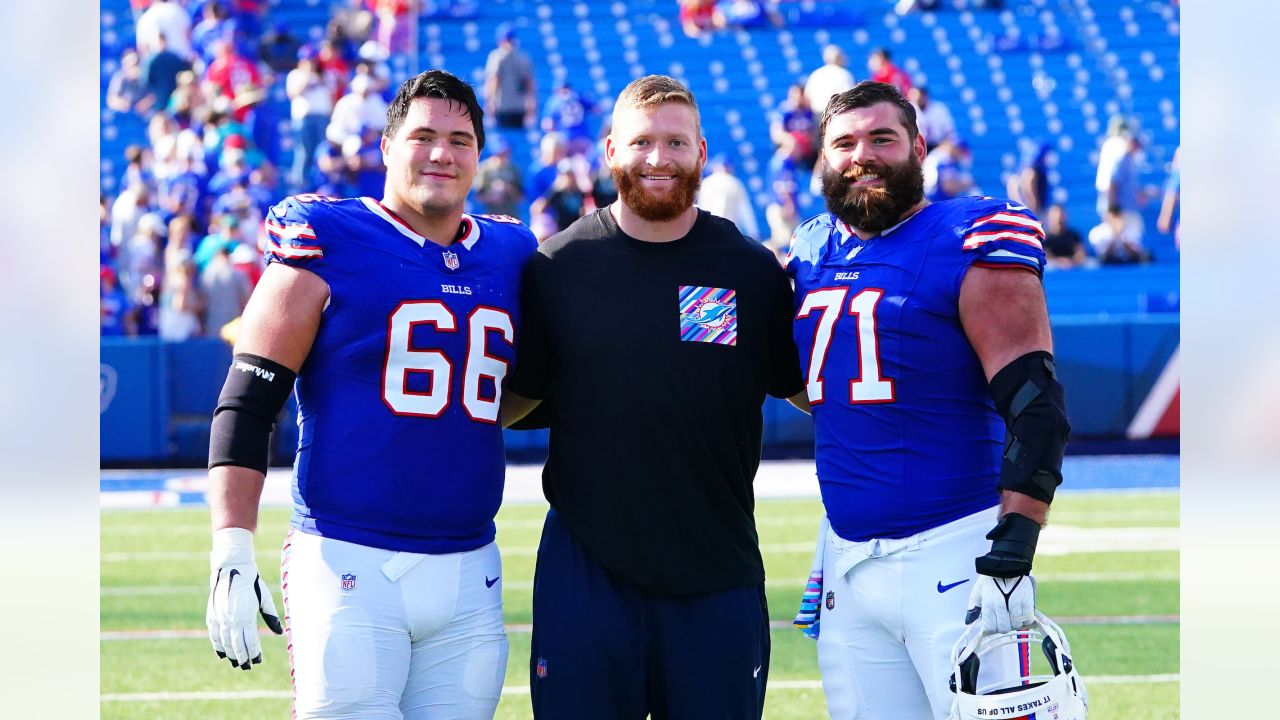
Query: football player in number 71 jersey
pixel 940 423
pixel 398 319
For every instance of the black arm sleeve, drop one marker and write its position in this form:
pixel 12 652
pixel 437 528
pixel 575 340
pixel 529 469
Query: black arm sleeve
pixel 1031 400
pixel 252 396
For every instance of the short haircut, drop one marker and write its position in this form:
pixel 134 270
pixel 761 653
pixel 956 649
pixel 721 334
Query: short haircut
pixel 442 86
pixel 653 90
pixel 866 94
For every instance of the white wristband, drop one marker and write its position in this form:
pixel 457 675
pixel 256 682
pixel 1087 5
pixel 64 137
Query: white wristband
pixel 231 546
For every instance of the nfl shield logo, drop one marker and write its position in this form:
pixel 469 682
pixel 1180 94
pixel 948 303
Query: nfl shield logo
pixel 451 259
pixel 348 581
pixel 831 600
pixel 542 667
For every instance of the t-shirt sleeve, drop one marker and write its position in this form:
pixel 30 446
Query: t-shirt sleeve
pixel 1004 235
pixel 532 375
pixel 785 376
pixel 291 237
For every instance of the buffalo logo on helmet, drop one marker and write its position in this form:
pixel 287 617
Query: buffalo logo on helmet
pixel 831 599
pixel 348 581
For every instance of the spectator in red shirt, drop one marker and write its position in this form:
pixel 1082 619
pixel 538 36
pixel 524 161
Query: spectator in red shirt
pixel 699 16
pixel 233 76
pixel 883 70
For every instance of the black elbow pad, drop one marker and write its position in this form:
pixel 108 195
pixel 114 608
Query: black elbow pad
pixel 255 391
pixel 1032 402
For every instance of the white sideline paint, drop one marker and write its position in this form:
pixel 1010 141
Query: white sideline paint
pixel 524 689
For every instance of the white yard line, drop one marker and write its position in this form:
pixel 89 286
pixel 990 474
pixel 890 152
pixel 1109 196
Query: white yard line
pixel 526 628
pixel 524 689
pixel 1119 576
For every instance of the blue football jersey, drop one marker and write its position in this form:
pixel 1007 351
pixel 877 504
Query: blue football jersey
pixel 907 435
pixel 399 445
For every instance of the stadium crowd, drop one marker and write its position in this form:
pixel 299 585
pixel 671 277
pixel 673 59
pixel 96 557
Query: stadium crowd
pixel 180 243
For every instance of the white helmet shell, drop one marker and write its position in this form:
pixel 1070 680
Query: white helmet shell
pixel 1057 696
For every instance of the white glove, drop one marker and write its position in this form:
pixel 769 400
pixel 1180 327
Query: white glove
pixel 236 595
pixel 1004 604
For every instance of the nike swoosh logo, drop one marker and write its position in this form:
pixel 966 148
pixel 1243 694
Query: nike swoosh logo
pixel 756 672
pixel 1011 206
pixel 943 588
pixel 488 582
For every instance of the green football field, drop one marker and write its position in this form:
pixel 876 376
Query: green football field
pixel 1109 576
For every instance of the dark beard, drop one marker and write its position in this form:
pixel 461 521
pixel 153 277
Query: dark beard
pixel 872 209
pixel 657 209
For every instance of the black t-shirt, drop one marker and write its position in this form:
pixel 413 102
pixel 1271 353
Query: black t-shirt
pixel 655 359
pixel 1062 244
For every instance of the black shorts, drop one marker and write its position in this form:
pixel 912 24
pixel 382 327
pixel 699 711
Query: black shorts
pixel 602 651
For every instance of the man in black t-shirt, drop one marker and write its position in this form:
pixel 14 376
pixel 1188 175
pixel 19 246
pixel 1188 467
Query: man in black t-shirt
pixel 653 330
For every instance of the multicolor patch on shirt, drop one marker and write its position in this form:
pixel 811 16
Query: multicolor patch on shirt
pixel 708 315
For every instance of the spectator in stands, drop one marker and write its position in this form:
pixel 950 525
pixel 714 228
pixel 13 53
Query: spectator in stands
pixel 783 212
pixel 565 201
pixel 113 305
pixel 356 110
pixel 188 104
pixel 551 150
pixel 933 117
pixel 178 193
pixel 180 246
pixel 795 119
pixel 329 175
pixel 278 48
pixel 1063 247
pixel 1030 184
pixel 363 155
pixel 138 167
pixel 724 194
pixel 393 23
pixel 352 22
pixel 160 71
pixel 234 77
pixel 224 232
pixel 180 303
pixel 126 91
pixel 946 172
pixel 130 205
pixel 700 16
pixel 373 62
pixel 883 70
pixel 141 256
pixel 1172 194
pixel 225 289
pixel 233 166
pixel 1115 242
pixel 1117 181
pixel 214 25
pixel 168 19
pixel 833 77
pixel 569 112
pixel 499 186
pixel 106 251
pixel 144 315
pixel 334 64
pixel 509 91
pixel 750 14
pixel 310 94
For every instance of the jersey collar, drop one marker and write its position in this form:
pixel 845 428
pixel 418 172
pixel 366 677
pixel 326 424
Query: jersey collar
pixel 468 230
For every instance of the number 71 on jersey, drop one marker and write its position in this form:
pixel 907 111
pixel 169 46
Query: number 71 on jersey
pixel 867 385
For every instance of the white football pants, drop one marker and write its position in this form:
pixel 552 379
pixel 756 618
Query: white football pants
pixel 383 634
pixel 891 612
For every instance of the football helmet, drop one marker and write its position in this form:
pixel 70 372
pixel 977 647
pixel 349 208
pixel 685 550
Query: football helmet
pixel 1058 694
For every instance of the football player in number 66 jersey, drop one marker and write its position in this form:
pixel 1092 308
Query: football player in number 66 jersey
pixel 397 318
pixel 940 422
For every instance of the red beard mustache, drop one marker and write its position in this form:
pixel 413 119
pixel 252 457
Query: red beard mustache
pixel 653 207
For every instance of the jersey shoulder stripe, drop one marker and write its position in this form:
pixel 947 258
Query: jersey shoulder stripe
pixel 999 233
